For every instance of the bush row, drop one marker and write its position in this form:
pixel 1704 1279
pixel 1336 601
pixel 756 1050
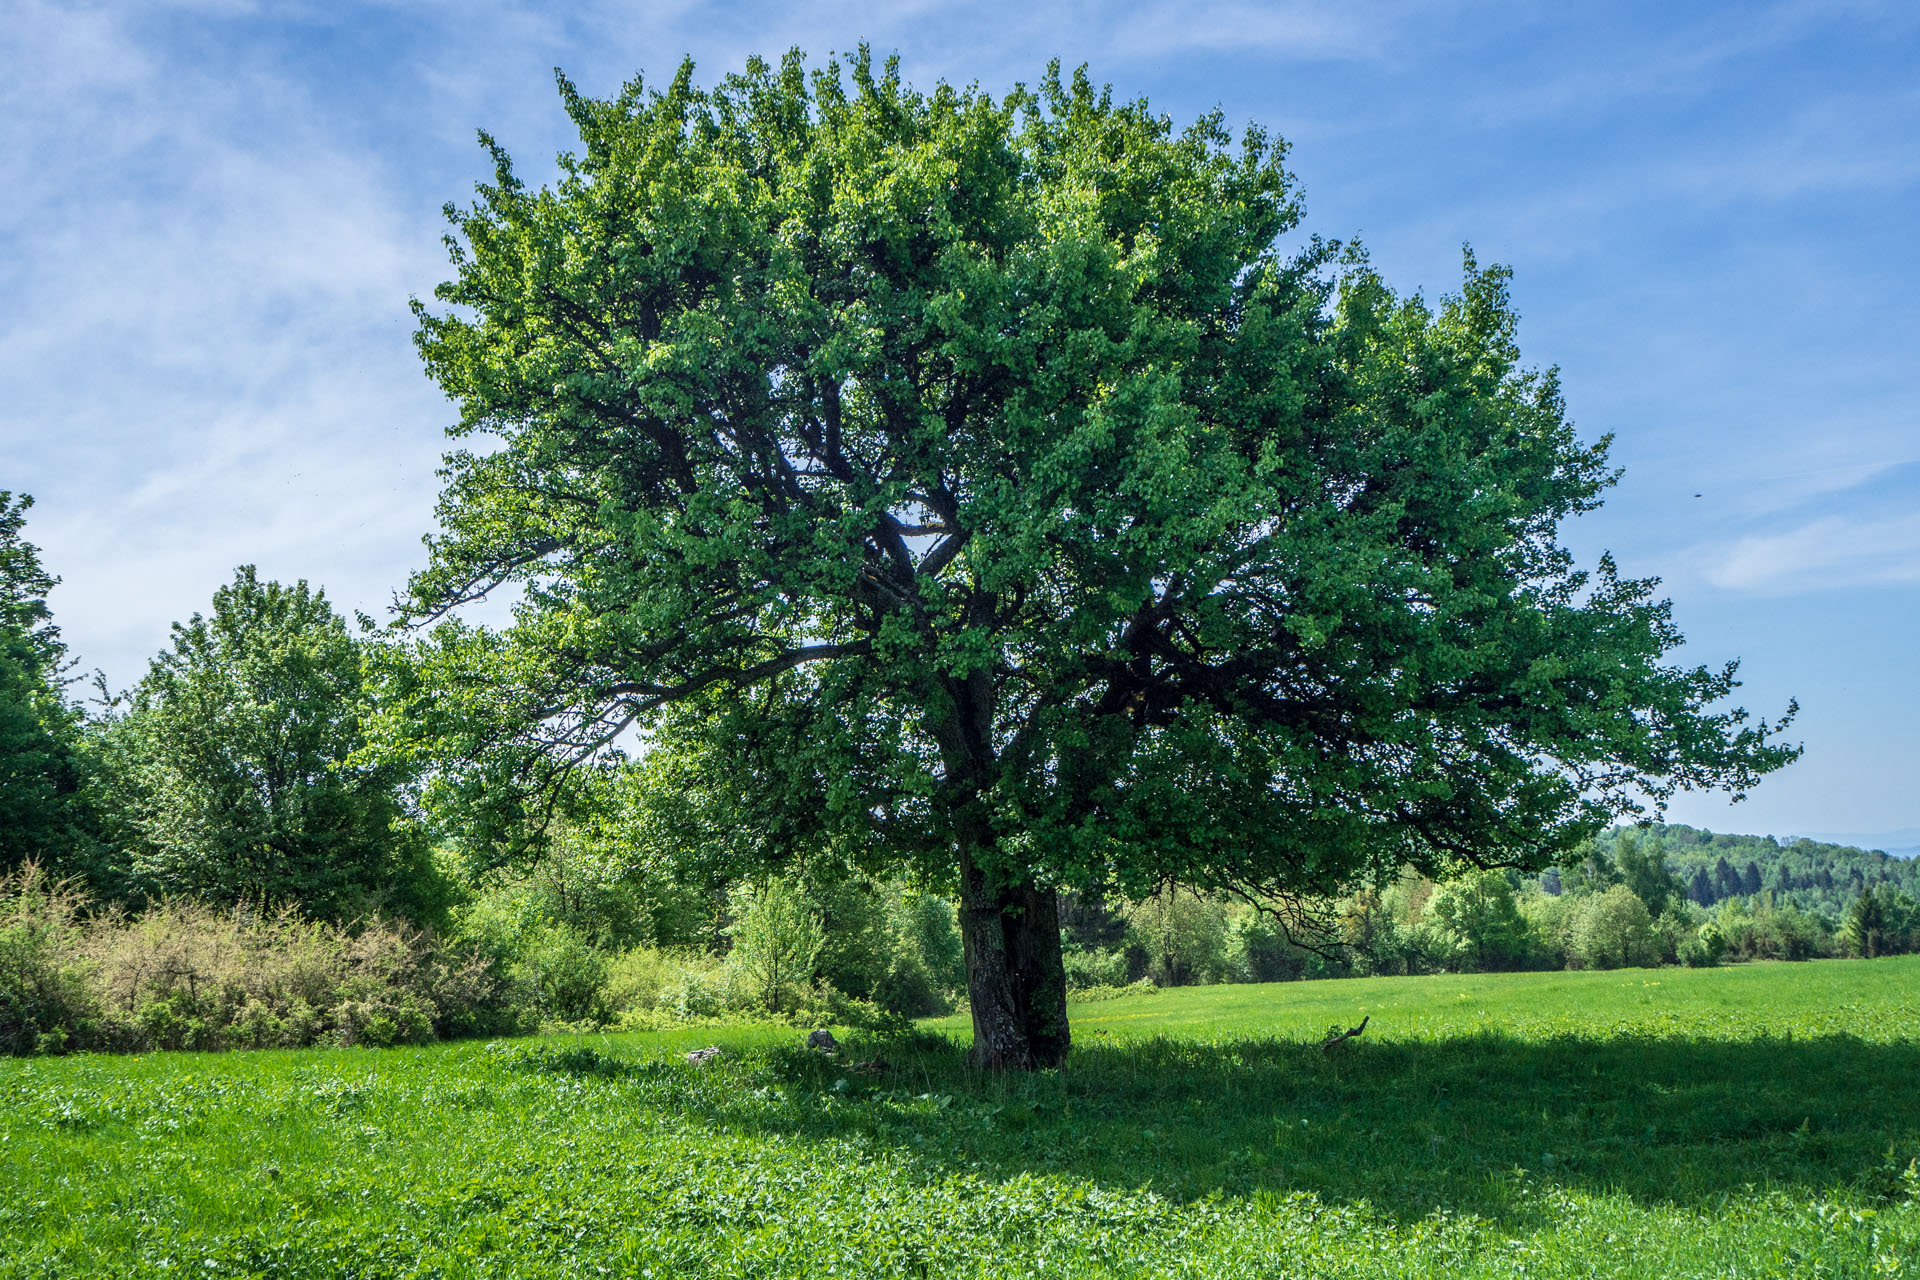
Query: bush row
pixel 1482 922
pixel 76 975
pixel 182 975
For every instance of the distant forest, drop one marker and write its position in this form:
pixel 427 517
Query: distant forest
pixel 1715 866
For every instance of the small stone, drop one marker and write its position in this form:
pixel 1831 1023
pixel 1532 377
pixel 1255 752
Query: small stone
pixel 824 1041
pixel 700 1057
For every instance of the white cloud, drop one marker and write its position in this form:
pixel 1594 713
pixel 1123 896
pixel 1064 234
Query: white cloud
pixel 203 352
pixel 1830 552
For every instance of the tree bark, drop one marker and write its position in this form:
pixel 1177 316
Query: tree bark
pixel 1009 924
pixel 1016 978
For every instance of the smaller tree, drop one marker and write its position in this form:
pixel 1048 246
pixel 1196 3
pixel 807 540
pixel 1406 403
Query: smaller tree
pixel 1184 934
pixel 237 766
pixel 1611 931
pixel 24 584
pixel 1595 873
pixel 40 772
pixel 1645 870
pixel 1864 932
pixel 777 937
pixel 1474 925
pixel 45 812
pixel 1726 881
pixel 1704 948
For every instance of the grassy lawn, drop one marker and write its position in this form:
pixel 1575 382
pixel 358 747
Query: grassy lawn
pixel 1755 1121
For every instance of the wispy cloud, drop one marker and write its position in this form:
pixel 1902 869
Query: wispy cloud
pixel 1832 552
pixel 203 358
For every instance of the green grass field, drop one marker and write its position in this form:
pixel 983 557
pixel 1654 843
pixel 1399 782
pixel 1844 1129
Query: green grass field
pixel 1754 1121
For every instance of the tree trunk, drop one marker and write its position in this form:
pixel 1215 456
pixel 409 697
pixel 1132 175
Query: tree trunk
pixel 1016 979
pixel 1009 925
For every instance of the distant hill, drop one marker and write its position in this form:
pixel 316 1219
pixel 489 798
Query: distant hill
pixel 1903 843
pixel 1817 875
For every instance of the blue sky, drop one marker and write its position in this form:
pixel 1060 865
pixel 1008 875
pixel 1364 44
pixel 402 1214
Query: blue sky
pixel 212 216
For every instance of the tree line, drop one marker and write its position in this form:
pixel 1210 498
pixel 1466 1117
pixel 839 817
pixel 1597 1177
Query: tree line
pixel 1619 903
pixel 236 793
pixel 1811 874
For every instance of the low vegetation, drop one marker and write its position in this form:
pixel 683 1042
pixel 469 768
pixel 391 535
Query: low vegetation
pixel 590 941
pixel 1757 1121
pixel 184 975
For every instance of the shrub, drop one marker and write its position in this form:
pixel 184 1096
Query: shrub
pixel 1550 920
pixel 1260 952
pixel 777 936
pixel 189 976
pixel 1766 931
pixel 1474 924
pixel 559 975
pixel 1090 995
pixel 859 949
pixel 1611 930
pixel 637 977
pixel 1674 929
pixel 1091 967
pixel 1704 948
pixel 705 994
pixel 927 972
pixel 886 944
pixel 648 985
pixel 47 1002
pixel 1185 937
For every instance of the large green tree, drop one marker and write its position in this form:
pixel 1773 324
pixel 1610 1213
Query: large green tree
pixel 235 766
pixel 982 482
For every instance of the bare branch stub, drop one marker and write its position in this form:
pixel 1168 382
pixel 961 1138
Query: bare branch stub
pixel 1336 1036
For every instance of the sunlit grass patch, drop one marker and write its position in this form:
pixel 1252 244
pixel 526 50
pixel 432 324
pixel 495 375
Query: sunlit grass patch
pixel 1755 1121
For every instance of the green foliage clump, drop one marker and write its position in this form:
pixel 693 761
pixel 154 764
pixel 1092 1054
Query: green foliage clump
pixel 186 975
pixel 1094 967
pixel 1474 924
pixel 238 770
pixel 46 809
pixel 1184 935
pixel 1611 930
pixel 48 1000
pixel 1761 929
pixel 777 935
pixel 559 975
pixel 1705 948
pixel 683 983
pixel 1880 921
pixel 43 813
pixel 592 936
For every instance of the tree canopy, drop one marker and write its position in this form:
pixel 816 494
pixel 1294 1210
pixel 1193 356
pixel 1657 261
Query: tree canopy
pixel 986 483
pixel 234 766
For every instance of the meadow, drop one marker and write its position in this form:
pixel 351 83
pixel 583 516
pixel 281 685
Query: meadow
pixel 1761 1120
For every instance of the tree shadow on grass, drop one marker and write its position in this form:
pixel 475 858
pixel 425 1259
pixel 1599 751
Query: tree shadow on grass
pixel 1479 1124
